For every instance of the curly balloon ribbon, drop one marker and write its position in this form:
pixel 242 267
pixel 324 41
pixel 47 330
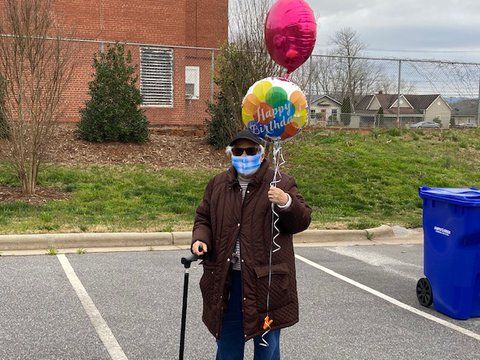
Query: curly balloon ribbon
pixel 278 160
pixel 266 327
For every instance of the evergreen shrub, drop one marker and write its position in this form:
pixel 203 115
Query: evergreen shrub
pixel 113 113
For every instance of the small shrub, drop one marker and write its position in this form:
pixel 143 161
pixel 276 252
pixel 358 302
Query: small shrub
pixel 394 132
pixel 222 125
pixel 238 67
pixel 380 117
pixel 69 187
pixel 376 133
pixel 112 113
pixel 346 111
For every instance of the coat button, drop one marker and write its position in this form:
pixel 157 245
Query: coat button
pixel 244 299
pixel 228 259
pixel 243 260
pixel 238 224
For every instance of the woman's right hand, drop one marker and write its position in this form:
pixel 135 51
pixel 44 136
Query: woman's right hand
pixel 199 248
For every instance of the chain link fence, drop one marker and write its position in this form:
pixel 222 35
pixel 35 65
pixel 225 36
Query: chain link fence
pixel 386 92
pixel 177 82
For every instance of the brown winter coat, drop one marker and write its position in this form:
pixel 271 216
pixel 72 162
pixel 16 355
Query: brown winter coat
pixel 220 219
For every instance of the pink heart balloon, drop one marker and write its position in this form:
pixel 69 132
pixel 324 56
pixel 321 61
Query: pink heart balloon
pixel 290 33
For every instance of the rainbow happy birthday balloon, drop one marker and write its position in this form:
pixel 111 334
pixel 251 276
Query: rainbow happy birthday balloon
pixel 274 109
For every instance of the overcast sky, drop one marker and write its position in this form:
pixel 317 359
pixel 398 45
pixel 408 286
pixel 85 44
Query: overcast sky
pixel 420 29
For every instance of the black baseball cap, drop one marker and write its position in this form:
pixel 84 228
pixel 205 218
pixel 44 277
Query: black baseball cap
pixel 248 135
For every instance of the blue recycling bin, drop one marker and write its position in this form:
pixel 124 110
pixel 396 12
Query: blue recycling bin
pixel 451 225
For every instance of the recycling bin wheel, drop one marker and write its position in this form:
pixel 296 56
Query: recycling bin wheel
pixel 424 292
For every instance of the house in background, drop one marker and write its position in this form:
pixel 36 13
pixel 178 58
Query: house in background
pixel 324 110
pixel 465 112
pixel 173 43
pixel 411 109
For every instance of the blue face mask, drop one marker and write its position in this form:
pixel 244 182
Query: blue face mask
pixel 247 165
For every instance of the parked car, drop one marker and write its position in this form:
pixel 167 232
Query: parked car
pixel 466 125
pixel 425 124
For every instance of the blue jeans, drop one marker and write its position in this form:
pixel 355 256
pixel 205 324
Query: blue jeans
pixel 231 344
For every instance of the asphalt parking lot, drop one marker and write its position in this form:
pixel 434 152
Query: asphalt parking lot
pixel 356 302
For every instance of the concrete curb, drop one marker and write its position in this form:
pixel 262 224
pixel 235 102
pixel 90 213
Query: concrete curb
pixel 310 236
pixel 113 240
pixel 82 240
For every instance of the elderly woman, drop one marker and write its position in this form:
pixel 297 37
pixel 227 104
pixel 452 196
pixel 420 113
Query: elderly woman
pixel 245 284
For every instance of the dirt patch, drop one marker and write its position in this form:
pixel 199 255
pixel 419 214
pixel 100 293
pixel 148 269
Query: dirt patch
pixel 10 194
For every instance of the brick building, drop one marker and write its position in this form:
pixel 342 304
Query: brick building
pixel 171 40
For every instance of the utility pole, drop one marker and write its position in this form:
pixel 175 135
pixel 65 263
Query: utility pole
pixel 478 104
pixel 309 89
pixel 212 76
pixel 398 91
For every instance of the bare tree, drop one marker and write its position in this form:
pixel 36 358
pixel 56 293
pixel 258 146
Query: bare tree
pixel 370 73
pixel 3 121
pixel 303 75
pixel 247 36
pixel 343 72
pixel 389 85
pixel 329 77
pixel 36 65
pixel 349 46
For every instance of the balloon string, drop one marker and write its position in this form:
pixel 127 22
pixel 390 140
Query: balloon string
pixel 278 160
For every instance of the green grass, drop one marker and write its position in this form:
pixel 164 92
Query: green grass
pixel 52 251
pixel 110 199
pixel 361 181
pixel 350 180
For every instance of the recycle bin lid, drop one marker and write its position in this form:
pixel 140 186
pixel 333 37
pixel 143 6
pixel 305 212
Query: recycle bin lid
pixel 459 196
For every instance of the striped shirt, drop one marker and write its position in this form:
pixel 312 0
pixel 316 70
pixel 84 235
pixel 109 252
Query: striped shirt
pixel 243 185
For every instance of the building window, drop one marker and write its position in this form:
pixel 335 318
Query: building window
pixel 334 114
pixel 312 114
pixel 156 76
pixel 192 82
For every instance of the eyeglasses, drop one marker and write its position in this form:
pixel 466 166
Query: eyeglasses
pixel 238 151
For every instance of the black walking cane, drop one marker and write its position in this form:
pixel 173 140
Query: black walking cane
pixel 186 261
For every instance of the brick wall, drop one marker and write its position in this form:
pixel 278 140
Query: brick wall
pixel 198 23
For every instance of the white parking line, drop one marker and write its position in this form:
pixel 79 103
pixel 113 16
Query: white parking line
pixel 103 331
pixel 388 264
pixel 390 299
